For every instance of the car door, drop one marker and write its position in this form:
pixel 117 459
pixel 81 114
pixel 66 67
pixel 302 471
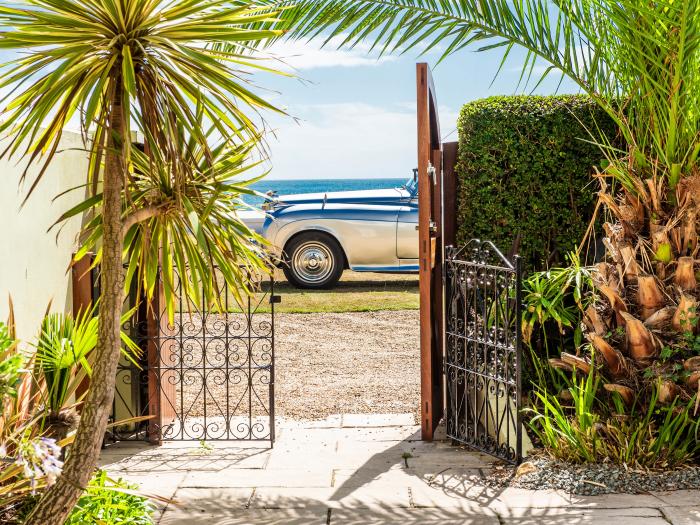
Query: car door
pixel 407 232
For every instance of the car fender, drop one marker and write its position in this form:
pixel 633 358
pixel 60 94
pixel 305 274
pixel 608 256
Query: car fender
pixel 366 233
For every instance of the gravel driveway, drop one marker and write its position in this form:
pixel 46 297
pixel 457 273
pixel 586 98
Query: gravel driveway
pixel 326 363
pixel 347 363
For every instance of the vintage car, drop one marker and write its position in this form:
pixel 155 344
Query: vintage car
pixel 316 236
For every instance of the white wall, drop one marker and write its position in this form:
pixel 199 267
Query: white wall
pixel 33 262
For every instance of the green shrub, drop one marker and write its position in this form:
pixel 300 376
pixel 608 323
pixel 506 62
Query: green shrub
pixel 110 502
pixel 524 169
pixel 591 425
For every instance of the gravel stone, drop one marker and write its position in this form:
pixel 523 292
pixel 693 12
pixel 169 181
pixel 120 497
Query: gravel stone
pixel 352 363
pixel 593 479
pixel 326 363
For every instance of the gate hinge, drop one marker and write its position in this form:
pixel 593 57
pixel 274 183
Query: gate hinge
pixel 275 299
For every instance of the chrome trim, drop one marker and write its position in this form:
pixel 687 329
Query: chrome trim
pixel 387 269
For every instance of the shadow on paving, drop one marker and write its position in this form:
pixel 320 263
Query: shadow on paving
pixel 340 472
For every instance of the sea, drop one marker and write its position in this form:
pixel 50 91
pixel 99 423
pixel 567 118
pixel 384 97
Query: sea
pixel 294 186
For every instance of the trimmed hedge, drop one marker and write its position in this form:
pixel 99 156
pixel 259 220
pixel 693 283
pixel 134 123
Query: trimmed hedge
pixel 524 169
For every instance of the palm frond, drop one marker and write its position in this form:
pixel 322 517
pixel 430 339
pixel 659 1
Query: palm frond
pixel 639 61
pixel 185 221
pixel 158 51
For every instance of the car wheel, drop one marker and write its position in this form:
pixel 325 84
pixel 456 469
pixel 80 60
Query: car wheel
pixel 314 261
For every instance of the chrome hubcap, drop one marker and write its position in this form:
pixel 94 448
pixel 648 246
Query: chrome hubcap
pixel 312 262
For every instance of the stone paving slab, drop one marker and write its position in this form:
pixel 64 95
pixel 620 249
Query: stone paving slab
pixel 186 458
pixel 682 515
pixel 679 498
pixel 197 501
pixel 360 497
pixel 280 478
pixel 352 470
pixel 586 518
pixel 412 516
pixel 249 517
pixel 378 420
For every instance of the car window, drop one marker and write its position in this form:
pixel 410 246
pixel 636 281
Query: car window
pixel 411 185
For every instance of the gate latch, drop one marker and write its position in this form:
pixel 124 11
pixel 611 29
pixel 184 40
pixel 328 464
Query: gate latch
pixel 275 299
pixel 433 227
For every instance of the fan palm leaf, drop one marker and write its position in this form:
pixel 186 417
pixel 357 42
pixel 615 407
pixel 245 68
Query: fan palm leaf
pixel 62 353
pixel 640 61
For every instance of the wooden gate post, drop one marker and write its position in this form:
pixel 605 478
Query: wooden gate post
pixel 429 170
pixel 162 399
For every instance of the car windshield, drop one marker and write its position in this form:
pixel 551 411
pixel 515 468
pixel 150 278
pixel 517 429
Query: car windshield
pixel 411 185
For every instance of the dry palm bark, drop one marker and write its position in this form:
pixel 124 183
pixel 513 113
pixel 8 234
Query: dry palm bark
pixel 644 323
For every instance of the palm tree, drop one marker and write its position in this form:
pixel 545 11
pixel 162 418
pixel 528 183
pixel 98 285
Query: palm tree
pixel 640 61
pixel 122 67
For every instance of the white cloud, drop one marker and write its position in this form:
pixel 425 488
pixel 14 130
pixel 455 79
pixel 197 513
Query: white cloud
pixel 348 140
pixel 301 55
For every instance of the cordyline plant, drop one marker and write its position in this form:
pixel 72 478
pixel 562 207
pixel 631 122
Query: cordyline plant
pixel 136 66
pixel 640 61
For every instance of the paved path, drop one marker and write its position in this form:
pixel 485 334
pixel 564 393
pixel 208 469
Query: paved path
pixel 351 470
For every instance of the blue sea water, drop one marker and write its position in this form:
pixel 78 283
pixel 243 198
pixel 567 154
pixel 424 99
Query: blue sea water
pixel 290 187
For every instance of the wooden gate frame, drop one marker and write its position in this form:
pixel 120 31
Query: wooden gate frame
pixel 436 229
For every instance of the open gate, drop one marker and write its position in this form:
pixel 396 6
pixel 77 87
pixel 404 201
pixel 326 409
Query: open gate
pixel 470 309
pixel 209 375
pixel 483 349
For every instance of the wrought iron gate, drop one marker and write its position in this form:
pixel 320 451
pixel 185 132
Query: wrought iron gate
pixel 208 375
pixel 483 349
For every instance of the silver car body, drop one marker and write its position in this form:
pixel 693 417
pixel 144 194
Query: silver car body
pixel 376 228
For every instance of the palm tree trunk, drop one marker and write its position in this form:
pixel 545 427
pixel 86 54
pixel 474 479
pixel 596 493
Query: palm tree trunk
pixel 58 501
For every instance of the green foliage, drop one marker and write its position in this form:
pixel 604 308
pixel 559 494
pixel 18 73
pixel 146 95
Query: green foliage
pixel 524 170
pixel 194 225
pixel 644 54
pixel 161 67
pixel 62 352
pixel 560 295
pixel 11 364
pixel 597 426
pixel 111 502
pixel 568 432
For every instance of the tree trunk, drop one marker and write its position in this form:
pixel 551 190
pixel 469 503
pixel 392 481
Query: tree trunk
pixel 58 501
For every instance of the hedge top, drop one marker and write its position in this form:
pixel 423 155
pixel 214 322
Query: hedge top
pixel 524 172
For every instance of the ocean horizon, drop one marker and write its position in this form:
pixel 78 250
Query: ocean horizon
pixel 295 186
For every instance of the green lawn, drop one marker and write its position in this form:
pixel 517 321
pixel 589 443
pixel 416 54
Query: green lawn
pixel 356 292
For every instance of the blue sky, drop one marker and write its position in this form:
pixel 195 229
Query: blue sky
pixel 356 113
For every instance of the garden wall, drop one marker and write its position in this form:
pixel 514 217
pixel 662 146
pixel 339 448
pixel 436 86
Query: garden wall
pixel 524 171
pixel 33 261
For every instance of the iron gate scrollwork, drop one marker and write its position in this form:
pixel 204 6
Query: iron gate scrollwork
pixel 483 345
pixel 206 375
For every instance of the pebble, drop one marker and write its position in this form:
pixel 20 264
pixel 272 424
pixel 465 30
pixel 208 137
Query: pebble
pixel 592 479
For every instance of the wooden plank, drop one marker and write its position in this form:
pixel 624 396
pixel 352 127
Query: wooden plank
pixel 162 391
pixel 436 295
pixel 83 289
pixel 428 155
pixel 425 273
pixel 82 284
